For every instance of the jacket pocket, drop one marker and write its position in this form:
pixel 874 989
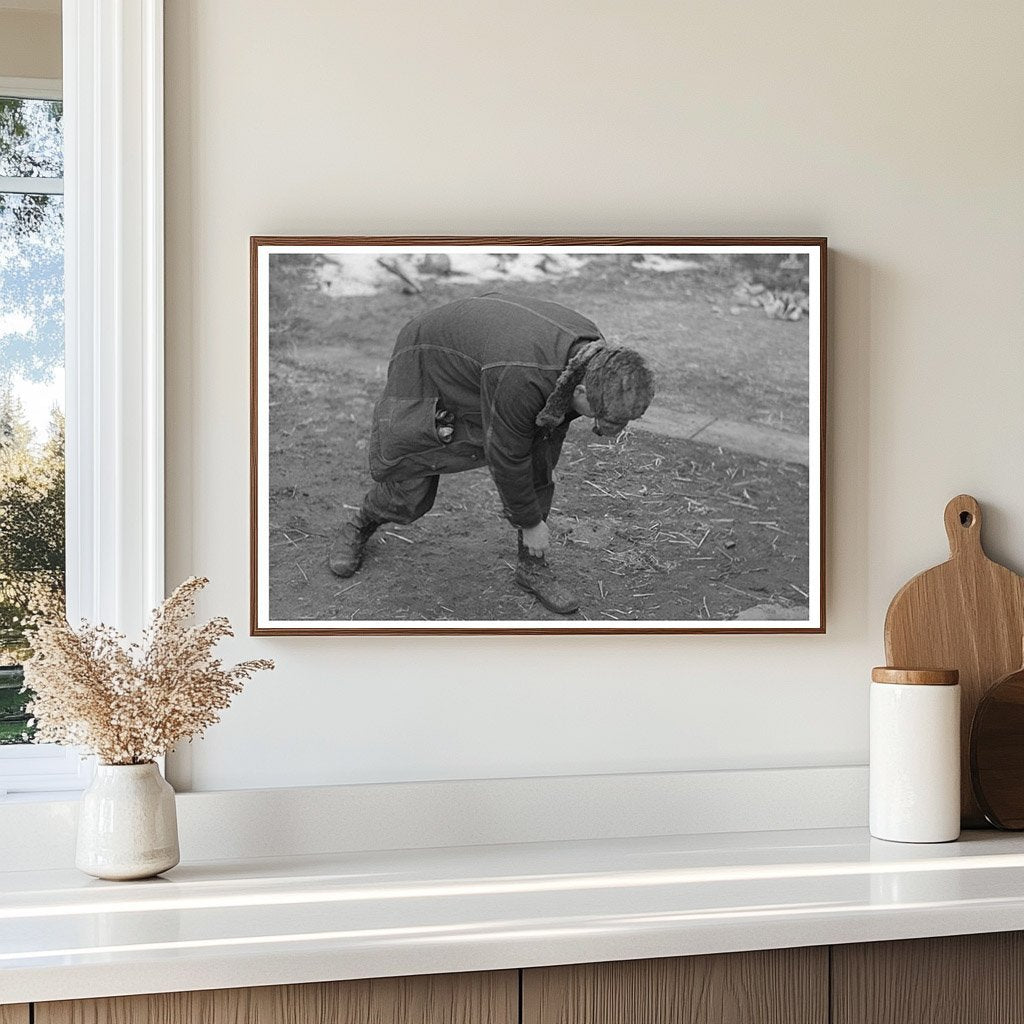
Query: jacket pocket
pixel 401 427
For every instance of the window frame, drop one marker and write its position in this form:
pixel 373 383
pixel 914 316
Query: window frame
pixel 112 89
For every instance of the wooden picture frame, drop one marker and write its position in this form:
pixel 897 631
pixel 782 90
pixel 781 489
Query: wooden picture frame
pixel 734 330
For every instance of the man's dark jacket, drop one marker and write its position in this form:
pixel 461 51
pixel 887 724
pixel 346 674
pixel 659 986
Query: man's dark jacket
pixel 492 360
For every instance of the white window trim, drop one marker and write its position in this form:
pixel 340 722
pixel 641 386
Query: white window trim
pixel 113 169
pixel 32 186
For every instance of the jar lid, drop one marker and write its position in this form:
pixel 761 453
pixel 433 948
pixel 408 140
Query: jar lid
pixel 916 676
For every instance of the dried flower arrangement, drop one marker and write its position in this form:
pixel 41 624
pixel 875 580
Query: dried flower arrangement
pixel 130 703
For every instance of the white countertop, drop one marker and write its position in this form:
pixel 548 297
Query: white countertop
pixel 354 915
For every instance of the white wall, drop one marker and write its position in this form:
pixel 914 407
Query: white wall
pixel 895 129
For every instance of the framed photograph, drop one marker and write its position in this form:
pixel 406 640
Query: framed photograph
pixel 537 435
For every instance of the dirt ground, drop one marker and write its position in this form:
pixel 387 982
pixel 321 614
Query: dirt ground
pixel 645 528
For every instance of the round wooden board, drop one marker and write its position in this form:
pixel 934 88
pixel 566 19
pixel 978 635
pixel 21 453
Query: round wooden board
pixel 997 752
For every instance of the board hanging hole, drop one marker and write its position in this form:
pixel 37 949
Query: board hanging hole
pixel 966 519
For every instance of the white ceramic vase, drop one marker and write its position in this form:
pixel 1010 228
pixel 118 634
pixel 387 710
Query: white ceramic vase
pixel 127 825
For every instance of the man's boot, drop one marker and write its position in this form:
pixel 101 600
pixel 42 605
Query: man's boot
pixel 534 575
pixel 347 552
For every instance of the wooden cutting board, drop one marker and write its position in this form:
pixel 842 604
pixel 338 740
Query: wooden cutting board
pixel 967 614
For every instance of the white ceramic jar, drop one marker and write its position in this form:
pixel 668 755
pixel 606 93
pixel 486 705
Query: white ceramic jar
pixel 915 755
pixel 127 823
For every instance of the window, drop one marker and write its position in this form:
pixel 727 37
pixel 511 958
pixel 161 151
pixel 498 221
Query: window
pixel 32 531
pixel 31 382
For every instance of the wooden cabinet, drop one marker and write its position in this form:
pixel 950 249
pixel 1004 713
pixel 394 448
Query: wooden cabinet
pixel 777 986
pixel 491 998
pixel 962 979
pixel 967 979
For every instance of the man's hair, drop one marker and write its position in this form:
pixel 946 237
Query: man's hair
pixel 619 385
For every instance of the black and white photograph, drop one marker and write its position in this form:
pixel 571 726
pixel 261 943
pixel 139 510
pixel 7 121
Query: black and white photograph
pixel 537 435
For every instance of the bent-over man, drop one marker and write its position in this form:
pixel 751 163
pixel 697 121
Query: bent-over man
pixel 493 380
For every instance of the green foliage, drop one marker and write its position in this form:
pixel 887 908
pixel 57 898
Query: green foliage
pixel 31 525
pixel 31 548
pixel 14 727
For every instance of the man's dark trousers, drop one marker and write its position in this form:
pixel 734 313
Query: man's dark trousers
pixel 408 499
